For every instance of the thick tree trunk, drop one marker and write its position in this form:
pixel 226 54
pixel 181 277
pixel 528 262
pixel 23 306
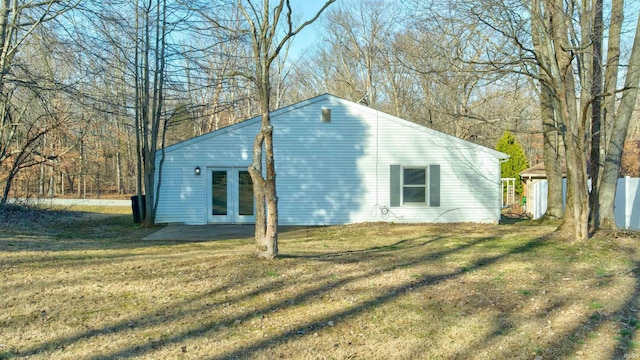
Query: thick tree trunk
pixel 550 115
pixel 259 189
pixel 619 135
pixel 611 71
pixel 605 199
pixel 573 129
pixel 266 226
pixel 271 235
pixel 553 159
pixel 576 219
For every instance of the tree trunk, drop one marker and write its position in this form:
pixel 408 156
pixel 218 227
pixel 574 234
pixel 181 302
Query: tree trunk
pixel 576 219
pixel 271 235
pixel 265 51
pixel 138 121
pixel 259 189
pixel 266 228
pixel 596 112
pixel 7 187
pixel 605 205
pixel 619 135
pixel 550 115
pixel 146 109
pixel 51 192
pixel 552 154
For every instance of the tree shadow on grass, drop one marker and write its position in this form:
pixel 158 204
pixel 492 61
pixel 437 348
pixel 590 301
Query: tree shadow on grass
pixel 116 233
pixel 324 285
pixel 504 324
pixel 625 317
pixel 568 343
pixel 629 320
pixel 400 245
pixel 415 285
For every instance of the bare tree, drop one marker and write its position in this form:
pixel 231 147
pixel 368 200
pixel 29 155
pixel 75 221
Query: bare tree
pixel 551 22
pixel 22 85
pixel 20 132
pixel 620 124
pixel 557 44
pixel 568 55
pixel 151 20
pixel 264 26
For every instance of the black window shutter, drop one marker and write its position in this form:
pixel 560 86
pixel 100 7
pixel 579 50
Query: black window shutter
pixel 396 185
pixel 434 185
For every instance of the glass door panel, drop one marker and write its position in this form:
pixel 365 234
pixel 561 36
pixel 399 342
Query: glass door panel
pixel 230 196
pixel 219 185
pixel 245 194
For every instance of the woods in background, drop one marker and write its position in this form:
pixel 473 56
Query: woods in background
pixel 91 89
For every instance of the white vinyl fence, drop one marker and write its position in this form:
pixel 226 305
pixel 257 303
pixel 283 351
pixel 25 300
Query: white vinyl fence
pixel 627 203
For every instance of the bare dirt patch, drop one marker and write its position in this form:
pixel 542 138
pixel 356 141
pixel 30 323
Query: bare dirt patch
pixel 366 291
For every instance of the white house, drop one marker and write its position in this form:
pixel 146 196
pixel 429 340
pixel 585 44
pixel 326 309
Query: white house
pixel 337 162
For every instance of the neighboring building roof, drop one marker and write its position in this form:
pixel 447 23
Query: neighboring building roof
pixel 536 171
pixel 334 99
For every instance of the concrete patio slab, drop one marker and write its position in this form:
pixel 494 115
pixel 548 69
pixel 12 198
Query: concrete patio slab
pixel 212 232
pixel 202 232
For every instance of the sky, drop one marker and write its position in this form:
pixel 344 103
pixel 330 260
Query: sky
pixel 308 7
pixel 304 10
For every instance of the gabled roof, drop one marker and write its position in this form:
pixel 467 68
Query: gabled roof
pixel 336 100
pixel 536 171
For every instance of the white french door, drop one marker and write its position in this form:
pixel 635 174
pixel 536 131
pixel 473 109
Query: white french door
pixel 230 195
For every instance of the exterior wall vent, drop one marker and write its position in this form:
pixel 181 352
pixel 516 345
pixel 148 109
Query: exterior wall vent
pixel 326 115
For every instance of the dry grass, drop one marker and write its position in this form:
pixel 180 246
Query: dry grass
pixel 91 289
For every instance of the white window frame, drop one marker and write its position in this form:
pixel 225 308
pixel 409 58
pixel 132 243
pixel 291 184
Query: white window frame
pixel 424 186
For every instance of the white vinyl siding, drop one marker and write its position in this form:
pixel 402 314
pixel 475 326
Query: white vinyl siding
pixel 340 172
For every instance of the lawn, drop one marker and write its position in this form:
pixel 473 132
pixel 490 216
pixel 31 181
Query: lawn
pixel 81 285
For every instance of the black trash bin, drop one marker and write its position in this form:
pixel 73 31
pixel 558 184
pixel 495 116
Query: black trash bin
pixel 137 217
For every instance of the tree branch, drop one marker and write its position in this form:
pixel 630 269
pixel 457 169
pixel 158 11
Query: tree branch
pixel 293 33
